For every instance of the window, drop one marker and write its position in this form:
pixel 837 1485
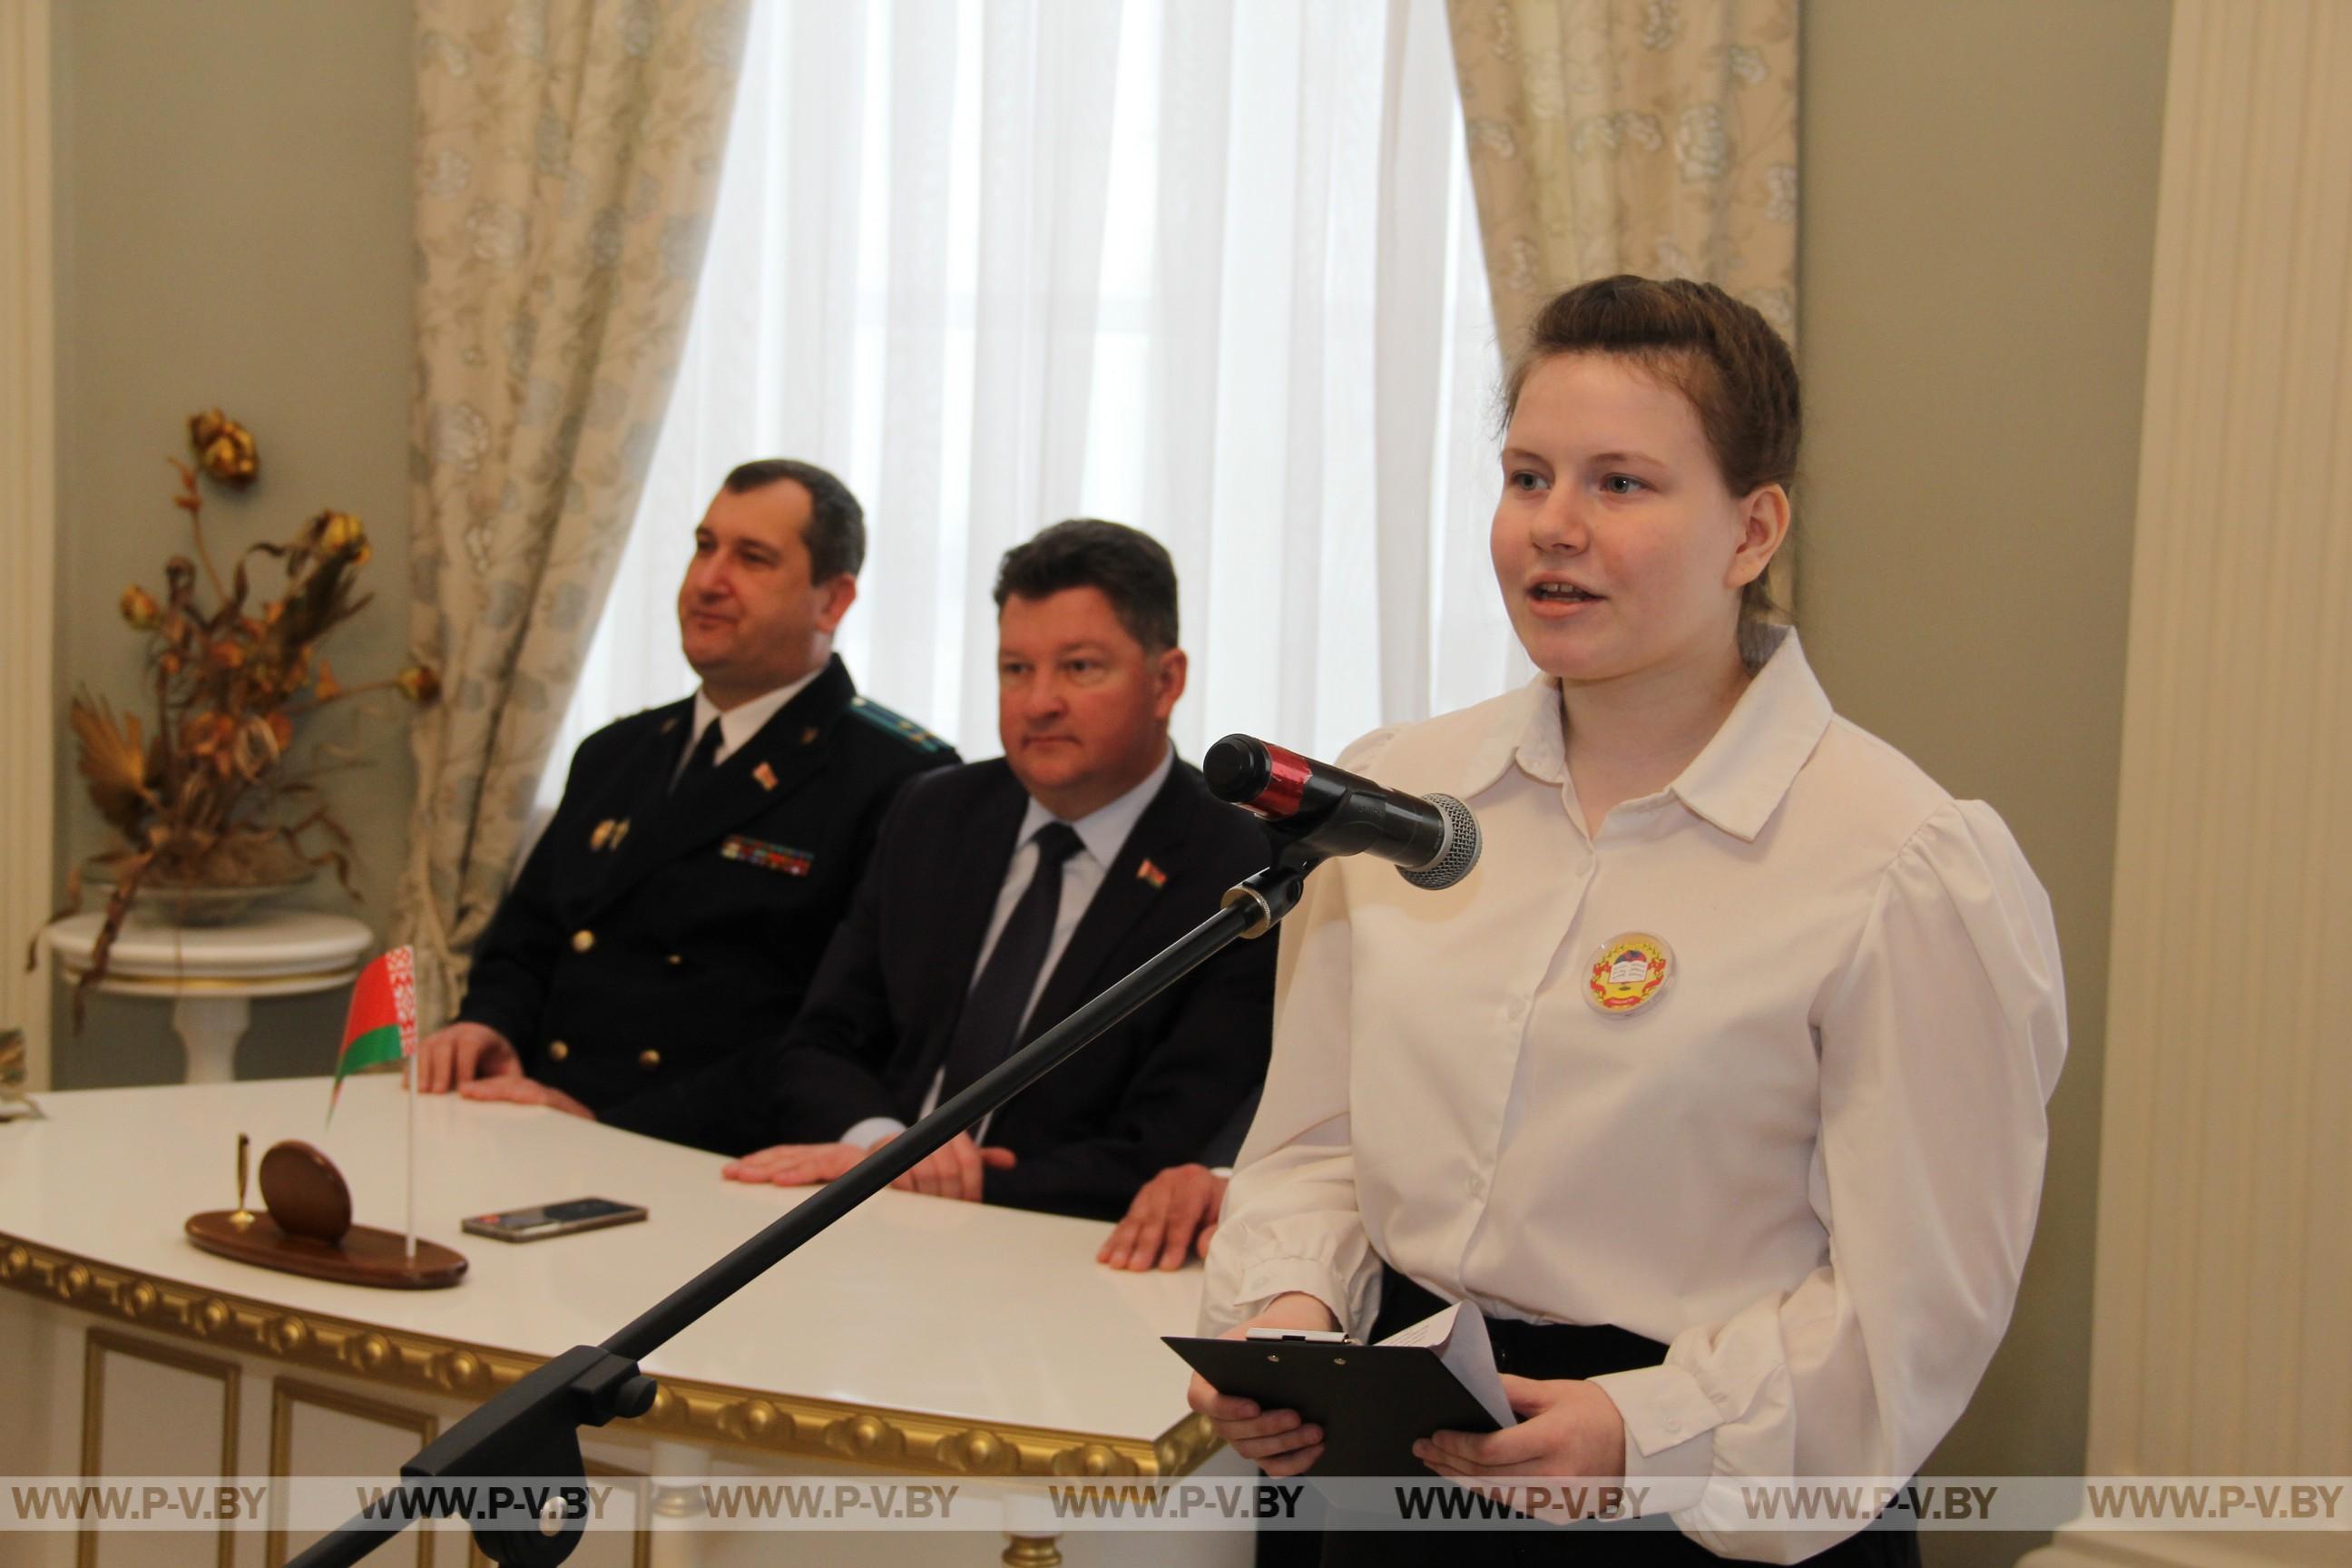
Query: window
pixel 1209 268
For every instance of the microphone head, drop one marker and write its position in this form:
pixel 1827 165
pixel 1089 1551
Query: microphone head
pixel 1459 854
pixel 1237 769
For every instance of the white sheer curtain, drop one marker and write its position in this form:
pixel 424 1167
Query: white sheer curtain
pixel 1204 267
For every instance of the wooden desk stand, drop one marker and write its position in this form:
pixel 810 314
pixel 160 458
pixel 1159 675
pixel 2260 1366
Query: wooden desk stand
pixel 365 1256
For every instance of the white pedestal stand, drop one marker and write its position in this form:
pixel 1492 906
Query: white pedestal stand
pixel 212 974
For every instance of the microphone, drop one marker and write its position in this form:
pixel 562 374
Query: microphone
pixel 1433 840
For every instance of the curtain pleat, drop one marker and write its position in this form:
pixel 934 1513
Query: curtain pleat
pixel 567 160
pixel 1649 136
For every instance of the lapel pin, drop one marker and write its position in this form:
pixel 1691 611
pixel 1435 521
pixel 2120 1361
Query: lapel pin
pixel 808 736
pixel 1151 873
pixel 667 725
pixel 1630 972
pixel 601 837
pixel 620 831
pixel 766 775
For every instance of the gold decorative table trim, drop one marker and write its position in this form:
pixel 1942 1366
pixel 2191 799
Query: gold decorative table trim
pixel 174 984
pixel 903 1440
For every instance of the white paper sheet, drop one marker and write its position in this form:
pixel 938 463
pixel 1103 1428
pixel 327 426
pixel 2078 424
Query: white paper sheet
pixel 1459 1338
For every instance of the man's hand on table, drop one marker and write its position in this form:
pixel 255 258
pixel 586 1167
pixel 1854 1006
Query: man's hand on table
pixel 794 1164
pixel 953 1171
pixel 515 1090
pixel 956 1169
pixel 448 1059
pixel 1173 1215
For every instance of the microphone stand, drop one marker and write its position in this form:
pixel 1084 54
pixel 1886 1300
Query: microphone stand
pixel 532 1427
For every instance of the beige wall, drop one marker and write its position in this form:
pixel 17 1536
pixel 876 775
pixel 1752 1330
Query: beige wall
pixel 232 227
pixel 1977 229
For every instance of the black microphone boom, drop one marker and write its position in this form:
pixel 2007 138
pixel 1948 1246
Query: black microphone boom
pixel 1434 840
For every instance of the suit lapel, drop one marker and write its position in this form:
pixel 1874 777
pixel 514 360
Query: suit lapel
pixel 786 754
pixel 967 875
pixel 969 884
pixel 1125 897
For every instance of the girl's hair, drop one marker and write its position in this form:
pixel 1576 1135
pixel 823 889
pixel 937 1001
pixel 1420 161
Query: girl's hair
pixel 1721 355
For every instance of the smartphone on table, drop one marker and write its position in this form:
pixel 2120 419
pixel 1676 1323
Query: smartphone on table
pixel 553 1220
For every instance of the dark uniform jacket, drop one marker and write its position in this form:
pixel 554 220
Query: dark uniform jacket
pixel 1152 1092
pixel 651 934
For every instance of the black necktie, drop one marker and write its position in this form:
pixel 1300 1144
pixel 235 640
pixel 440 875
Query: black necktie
pixel 992 1014
pixel 700 761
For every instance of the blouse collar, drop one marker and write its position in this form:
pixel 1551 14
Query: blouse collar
pixel 1737 780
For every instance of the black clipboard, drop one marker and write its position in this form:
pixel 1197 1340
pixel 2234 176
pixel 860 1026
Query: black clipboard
pixel 1373 1401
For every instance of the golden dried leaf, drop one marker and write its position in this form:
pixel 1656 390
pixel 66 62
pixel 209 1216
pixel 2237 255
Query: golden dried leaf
pixel 113 758
pixel 255 750
pixel 204 733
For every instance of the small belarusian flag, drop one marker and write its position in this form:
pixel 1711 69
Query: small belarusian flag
pixel 382 1023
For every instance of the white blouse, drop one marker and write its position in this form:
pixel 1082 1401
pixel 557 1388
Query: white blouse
pixel 1809 1163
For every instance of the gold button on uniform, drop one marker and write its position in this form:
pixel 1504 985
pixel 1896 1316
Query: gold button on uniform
pixel 557 1050
pixel 649 1058
pixel 583 939
pixel 677 958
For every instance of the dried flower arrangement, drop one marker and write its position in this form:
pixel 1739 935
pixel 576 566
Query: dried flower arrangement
pixel 212 799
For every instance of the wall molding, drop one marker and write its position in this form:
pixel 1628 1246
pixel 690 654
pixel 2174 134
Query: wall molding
pixel 2224 1263
pixel 27 522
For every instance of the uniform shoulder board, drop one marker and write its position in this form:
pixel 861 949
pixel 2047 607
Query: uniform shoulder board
pixel 896 724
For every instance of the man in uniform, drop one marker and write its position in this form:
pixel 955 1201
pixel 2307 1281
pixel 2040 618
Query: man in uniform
pixel 704 852
pixel 1004 894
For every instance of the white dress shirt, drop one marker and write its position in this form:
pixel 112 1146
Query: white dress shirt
pixel 1810 1166
pixel 738 724
pixel 1102 834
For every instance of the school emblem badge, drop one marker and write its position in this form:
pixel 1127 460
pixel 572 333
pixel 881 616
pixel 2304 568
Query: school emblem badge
pixel 1629 974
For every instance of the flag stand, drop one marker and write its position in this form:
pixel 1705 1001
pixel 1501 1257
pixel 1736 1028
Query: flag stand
pixel 408 1071
pixel 382 1027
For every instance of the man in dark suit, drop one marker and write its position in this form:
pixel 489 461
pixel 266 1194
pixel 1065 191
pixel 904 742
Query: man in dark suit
pixel 1004 894
pixel 704 852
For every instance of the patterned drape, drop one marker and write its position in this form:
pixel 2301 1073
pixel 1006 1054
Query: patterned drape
pixel 1649 136
pixel 568 155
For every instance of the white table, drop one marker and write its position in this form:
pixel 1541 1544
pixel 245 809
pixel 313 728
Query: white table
pixel 212 974
pixel 921 1336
